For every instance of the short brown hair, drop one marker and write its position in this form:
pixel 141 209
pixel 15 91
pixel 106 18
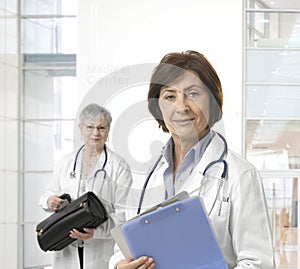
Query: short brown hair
pixel 171 67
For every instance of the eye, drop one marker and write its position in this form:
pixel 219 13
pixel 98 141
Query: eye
pixel 169 97
pixel 101 128
pixel 90 127
pixel 193 94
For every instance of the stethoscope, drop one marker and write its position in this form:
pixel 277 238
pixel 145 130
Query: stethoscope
pixel 73 173
pixel 221 181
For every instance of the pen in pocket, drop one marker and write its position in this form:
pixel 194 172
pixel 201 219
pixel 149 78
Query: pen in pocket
pixel 224 199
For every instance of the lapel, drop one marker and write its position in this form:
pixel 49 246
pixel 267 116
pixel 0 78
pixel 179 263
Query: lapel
pixel 100 162
pixel 155 191
pixel 209 182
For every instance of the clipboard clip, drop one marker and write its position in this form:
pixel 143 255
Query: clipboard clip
pixel 178 197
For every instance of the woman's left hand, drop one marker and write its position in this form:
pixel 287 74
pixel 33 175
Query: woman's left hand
pixel 82 236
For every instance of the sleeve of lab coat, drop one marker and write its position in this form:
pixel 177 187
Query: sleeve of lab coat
pixel 115 258
pixel 250 225
pixel 123 181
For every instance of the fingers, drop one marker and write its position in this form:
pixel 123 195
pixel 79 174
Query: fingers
pixel 143 263
pixel 140 263
pixel 54 202
pixel 89 231
pixel 82 236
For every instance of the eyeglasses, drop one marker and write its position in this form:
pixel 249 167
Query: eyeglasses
pixel 91 128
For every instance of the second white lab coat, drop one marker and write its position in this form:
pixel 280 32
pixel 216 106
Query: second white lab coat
pixel 239 217
pixel 112 191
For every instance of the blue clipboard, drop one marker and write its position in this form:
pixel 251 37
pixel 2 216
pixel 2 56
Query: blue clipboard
pixel 176 234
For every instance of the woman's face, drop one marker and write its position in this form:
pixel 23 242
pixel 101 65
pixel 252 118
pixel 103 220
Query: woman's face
pixel 184 104
pixel 94 133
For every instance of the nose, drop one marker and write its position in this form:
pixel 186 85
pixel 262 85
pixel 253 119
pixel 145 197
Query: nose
pixel 182 104
pixel 96 131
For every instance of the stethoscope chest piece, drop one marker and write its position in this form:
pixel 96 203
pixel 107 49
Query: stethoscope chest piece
pixel 72 175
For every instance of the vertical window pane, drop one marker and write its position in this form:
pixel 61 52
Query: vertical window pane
pixel 52 7
pixel 52 35
pixel 273 29
pixel 45 143
pixel 273 145
pixel 277 66
pixel 273 101
pixel 50 94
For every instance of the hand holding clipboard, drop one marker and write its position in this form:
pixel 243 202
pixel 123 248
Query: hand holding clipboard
pixel 176 233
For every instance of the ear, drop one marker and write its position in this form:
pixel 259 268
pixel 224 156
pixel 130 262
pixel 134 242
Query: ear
pixel 80 125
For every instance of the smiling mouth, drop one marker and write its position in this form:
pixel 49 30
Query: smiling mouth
pixel 184 121
pixel 96 139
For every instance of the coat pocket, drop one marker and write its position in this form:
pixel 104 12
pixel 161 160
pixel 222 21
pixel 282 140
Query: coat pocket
pixel 220 217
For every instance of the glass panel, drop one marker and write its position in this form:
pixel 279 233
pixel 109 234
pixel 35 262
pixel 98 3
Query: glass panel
pixel 11 145
pixel 2 145
pixel 49 96
pixel 277 66
pixel 11 6
pixel 45 143
pixel 273 29
pixel 34 257
pixel 11 89
pixel 282 199
pixel 9 248
pixel 11 40
pixel 35 185
pixel 52 35
pixel 273 4
pixel 43 7
pixel 8 38
pixel 273 101
pixel 273 144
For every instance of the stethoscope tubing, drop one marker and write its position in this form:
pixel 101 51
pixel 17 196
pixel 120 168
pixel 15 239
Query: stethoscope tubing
pixel 223 175
pixel 146 183
pixel 73 173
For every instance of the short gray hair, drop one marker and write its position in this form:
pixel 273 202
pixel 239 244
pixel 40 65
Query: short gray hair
pixel 95 112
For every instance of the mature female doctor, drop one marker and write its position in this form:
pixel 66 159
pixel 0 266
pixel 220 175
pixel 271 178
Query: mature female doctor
pixel 185 97
pixel 94 167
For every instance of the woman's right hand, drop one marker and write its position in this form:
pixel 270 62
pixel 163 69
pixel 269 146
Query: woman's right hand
pixel 54 202
pixel 140 263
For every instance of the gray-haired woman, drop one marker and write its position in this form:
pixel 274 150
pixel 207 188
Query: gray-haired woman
pixel 97 169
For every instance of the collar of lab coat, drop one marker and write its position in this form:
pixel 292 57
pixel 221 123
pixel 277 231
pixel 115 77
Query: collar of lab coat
pixel 213 152
pixel 155 191
pixel 98 165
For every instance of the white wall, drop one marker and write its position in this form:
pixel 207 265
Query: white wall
pixel 114 34
pixel 9 201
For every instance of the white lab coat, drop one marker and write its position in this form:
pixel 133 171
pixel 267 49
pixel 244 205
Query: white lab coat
pixel 240 221
pixel 113 193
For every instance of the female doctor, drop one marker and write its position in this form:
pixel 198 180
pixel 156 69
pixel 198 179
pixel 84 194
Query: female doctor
pixel 185 97
pixel 94 167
